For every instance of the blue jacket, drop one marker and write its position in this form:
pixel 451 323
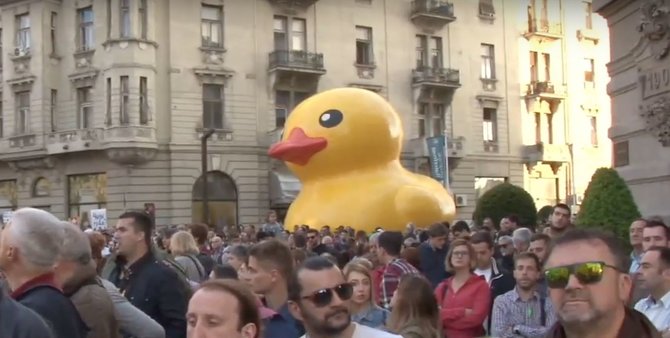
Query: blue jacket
pixel 18 321
pixel 432 263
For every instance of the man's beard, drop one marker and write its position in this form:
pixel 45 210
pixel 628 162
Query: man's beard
pixel 323 327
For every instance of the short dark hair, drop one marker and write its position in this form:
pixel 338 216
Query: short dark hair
pixel 313 231
pixel 240 252
pixel 248 306
pixel 482 237
pixel 528 255
pixel 437 230
pixel 275 253
pixel 224 271
pixel 460 226
pixel 614 244
pixel 141 222
pixel 513 219
pixel 541 237
pixel 299 239
pixel 199 232
pixel 391 242
pixel 316 263
pixel 562 206
pixel 664 255
pixel 656 224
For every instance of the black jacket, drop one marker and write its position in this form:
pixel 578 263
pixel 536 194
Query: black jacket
pixel 502 281
pixel 156 290
pixel 55 308
pixel 18 321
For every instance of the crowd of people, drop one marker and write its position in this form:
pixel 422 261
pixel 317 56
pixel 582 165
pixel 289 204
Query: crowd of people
pixel 457 281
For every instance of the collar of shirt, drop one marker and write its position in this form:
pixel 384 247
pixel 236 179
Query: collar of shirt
pixel 517 297
pixel 46 279
pixel 663 302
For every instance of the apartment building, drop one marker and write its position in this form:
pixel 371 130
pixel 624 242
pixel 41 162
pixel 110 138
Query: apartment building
pixel 566 111
pixel 640 90
pixel 104 102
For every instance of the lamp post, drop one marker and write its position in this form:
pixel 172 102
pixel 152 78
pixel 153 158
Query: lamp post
pixel 205 189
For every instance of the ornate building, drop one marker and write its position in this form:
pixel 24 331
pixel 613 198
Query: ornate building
pixel 640 92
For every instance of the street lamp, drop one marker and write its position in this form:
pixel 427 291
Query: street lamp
pixel 205 189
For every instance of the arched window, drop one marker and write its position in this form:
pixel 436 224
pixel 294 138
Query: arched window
pixel 41 187
pixel 222 200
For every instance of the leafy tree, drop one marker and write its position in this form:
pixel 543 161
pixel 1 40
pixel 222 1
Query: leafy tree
pixel 505 199
pixel 544 213
pixel 608 203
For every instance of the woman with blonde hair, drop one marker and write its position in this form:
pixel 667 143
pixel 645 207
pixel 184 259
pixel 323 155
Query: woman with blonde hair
pixel 415 312
pixel 185 250
pixel 364 311
pixel 464 298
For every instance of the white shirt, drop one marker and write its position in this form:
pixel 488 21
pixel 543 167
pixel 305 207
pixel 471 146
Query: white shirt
pixel 658 312
pixel 362 331
pixel 486 273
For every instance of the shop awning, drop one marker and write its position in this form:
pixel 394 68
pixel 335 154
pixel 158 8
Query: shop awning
pixel 284 187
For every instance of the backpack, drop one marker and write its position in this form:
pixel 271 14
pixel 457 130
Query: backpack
pixel 187 286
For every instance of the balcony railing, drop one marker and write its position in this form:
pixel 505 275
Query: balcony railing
pixel 296 59
pixel 74 140
pixel 547 153
pixel 544 27
pixel 432 12
pixel 435 75
pixel 293 3
pixel 543 88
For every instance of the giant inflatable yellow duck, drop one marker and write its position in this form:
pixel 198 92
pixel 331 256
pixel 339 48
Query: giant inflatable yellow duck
pixel 344 145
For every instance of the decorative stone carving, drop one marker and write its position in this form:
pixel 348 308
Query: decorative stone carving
pixel 655 26
pixel 657 117
pixel 213 56
pixel 84 78
pixel 84 59
pixel 365 72
pixel 22 65
pixel 47 162
pixel 131 156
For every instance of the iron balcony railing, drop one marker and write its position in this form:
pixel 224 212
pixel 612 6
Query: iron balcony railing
pixel 296 59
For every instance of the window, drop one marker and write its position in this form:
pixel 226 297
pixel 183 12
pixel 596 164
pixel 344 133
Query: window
pixel 109 18
pixel 538 128
pixel 436 52
pixel 86 29
pixel 620 154
pixel 85 193
pixel 296 41
pixel 144 101
pixel 142 12
pixel 546 57
pixel 486 8
pixel 2 121
pixel 23 33
pixel 54 19
pixel 490 126
pixel 488 62
pixel 431 119
pixel 108 103
pixel 589 71
pixel 550 128
pixel 285 102
pixel 588 12
pixel 212 106
pixel 364 54
pixel 22 113
pixel 1 49
pixel 85 108
pixel 594 130
pixel 212 26
pixel 53 106
pixel 124 15
pixel 533 67
pixel 124 117
pixel 421 51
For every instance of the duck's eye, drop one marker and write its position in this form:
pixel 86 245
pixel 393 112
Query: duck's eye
pixel 331 118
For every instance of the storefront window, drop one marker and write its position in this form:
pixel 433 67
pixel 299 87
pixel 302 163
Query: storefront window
pixel 85 193
pixel 222 197
pixel 8 196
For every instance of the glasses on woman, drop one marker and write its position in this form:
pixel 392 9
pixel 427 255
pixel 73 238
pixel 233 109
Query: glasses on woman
pixel 324 297
pixel 586 273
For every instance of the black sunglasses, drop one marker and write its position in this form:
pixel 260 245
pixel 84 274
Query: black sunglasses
pixel 586 273
pixel 323 297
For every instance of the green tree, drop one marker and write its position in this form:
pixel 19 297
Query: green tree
pixel 544 213
pixel 505 199
pixel 608 203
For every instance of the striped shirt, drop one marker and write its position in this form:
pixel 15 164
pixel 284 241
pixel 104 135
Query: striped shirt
pixel 511 313
pixel 391 276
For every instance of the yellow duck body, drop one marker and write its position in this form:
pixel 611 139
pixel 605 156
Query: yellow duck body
pixel 344 146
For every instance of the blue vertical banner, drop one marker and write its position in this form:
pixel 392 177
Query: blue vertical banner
pixel 436 151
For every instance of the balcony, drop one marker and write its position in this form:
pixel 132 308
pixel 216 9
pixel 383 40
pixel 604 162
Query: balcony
pixel 419 148
pixel 544 30
pixel 296 61
pixel 130 144
pixel 74 141
pixel 436 77
pixel 546 153
pixel 293 4
pixel 587 34
pixel 538 92
pixel 432 14
pixel 18 147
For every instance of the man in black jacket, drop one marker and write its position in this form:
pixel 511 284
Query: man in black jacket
pixel 18 321
pixel 500 281
pixel 29 247
pixel 147 283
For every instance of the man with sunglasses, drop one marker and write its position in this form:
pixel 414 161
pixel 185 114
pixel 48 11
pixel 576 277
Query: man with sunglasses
pixel 319 296
pixel 587 276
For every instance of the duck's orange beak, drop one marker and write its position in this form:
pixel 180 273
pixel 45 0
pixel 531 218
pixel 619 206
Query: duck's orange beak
pixel 298 148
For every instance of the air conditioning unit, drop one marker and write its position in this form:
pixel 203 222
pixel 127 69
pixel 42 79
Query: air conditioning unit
pixel 461 200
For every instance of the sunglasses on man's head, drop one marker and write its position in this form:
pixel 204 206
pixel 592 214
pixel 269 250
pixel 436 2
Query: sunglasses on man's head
pixel 586 273
pixel 323 297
